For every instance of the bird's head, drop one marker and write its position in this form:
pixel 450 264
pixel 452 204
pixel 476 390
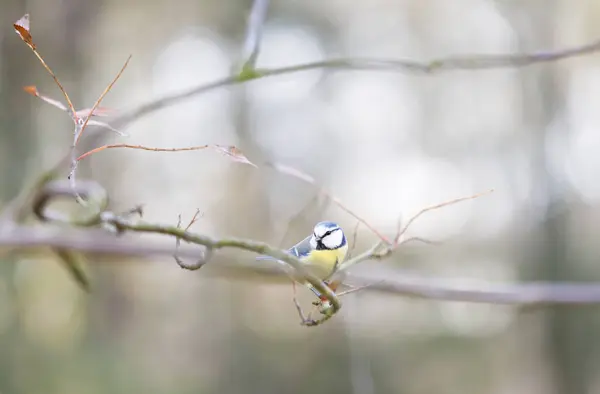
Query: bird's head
pixel 327 235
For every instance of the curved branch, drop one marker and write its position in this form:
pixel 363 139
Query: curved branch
pixel 98 216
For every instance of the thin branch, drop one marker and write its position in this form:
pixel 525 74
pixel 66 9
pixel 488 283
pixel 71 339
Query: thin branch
pixel 402 231
pixel 451 63
pixel 304 320
pixel 170 100
pixel 384 248
pixel 80 128
pixel 140 147
pixel 256 21
pixel 99 100
pixel 359 288
pixel 354 239
pixel 199 262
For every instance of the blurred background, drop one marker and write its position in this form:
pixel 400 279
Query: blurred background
pixel 385 143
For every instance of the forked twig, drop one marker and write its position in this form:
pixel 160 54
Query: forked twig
pixel 383 249
pixel 354 239
pixel 358 288
pixel 200 262
pixel 99 100
pixel 303 319
pixel 80 127
pixel 402 231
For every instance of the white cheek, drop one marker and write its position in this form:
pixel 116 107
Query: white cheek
pixel 333 240
pixel 313 242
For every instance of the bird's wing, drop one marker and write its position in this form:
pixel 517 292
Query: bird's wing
pixel 298 250
pixel 302 248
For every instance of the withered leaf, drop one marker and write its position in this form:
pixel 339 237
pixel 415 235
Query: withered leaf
pixel 99 111
pixel 31 89
pixel 292 172
pixel 22 28
pixel 234 154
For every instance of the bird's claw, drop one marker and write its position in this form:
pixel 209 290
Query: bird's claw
pixel 326 308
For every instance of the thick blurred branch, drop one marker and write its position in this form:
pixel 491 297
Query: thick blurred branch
pixel 86 239
pixel 83 240
pixel 536 294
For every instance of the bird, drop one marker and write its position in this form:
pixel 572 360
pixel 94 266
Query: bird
pixel 321 252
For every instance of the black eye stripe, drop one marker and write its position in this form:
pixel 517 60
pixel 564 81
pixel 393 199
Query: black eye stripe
pixel 326 233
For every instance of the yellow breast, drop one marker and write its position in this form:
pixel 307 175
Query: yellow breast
pixel 322 263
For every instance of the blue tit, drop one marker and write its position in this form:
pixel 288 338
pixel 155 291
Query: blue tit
pixel 322 251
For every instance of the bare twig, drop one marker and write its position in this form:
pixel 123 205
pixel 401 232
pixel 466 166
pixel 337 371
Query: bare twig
pixel 304 320
pixel 145 109
pixel 141 147
pixel 358 288
pixel 452 63
pixel 421 240
pixel 80 127
pixel 230 151
pixel 199 262
pixel 194 219
pixel 384 248
pixel 354 238
pixel 252 42
pixel 402 231
pixel 99 100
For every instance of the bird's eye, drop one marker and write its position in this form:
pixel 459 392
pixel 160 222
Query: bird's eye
pixel 324 234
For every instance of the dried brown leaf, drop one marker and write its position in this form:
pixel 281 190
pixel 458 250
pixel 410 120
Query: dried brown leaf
pixel 22 28
pixel 234 154
pixel 99 111
pixel 34 92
